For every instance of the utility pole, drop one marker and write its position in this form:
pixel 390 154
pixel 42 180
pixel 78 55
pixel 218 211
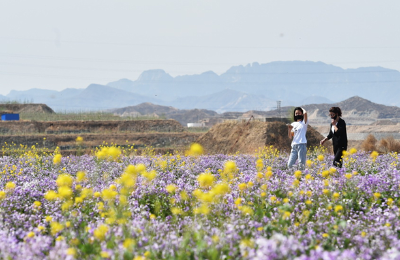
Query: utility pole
pixel 278 107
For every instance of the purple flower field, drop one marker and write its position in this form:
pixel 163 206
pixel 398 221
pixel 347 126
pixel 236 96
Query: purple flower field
pixel 114 206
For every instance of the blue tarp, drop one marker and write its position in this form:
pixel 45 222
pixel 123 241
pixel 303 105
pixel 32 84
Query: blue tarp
pixel 8 117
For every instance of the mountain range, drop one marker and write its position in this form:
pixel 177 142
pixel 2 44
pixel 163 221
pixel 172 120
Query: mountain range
pixel 241 88
pixel 356 111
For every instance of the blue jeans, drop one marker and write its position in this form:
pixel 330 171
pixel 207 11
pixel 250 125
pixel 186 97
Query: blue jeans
pixel 298 151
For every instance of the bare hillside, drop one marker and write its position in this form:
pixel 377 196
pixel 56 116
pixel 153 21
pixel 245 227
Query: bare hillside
pixel 26 108
pixel 231 137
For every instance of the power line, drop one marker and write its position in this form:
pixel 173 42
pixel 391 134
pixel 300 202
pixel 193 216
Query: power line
pixel 29 56
pixel 225 73
pixel 196 46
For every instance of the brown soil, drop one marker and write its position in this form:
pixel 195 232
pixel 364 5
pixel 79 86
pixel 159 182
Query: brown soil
pixel 231 137
pixel 59 127
pixel 29 108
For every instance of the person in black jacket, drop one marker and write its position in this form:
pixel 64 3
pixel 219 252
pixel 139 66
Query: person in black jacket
pixel 337 132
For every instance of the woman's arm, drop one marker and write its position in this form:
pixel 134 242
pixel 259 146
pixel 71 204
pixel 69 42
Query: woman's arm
pixel 305 115
pixel 328 137
pixel 289 128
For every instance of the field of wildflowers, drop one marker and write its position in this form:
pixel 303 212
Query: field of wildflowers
pixel 114 206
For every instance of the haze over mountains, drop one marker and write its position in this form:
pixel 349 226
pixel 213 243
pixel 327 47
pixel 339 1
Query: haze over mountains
pixel 356 111
pixel 241 88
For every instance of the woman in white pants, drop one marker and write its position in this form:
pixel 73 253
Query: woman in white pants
pixel 297 130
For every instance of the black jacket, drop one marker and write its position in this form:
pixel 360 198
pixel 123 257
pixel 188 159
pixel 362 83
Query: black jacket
pixel 339 137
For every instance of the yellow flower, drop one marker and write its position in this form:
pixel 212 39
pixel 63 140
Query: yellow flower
pixel 195 149
pixel 263 194
pixel 100 232
pixel 308 177
pixel 80 176
pixel 97 194
pixel 48 218
pixel 332 170
pixel 57 158
pixel 336 195
pixel 176 211
pixel 259 165
pixel 377 195
pixel 108 194
pixel 297 174
pixel 151 175
pixel 348 175
pixel 128 243
pixel 114 152
pixel 64 180
pixel 374 155
pixel 171 188
pixel 353 150
pixel 325 235
pixel 238 201
pixel 71 251
pixel 309 163
pixel 67 205
pixel 308 202
pixel 79 139
pixel 37 204
pixel 128 180
pixel 205 180
pixel 56 227
pixel 41 228
pixel 285 200
pixel 86 193
pixel 338 208
pixel 309 193
pixel 221 189
pixel 242 186
pixel 325 174
pixel 246 210
pixel 104 254
pixel 326 183
pixel 268 174
pixel 389 201
pixel 296 183
pixel 10 185
pixel 320 157
pixel 78 200
pixel 139 168
pixel 65 192
pixel 203 209
pixel 286 214
pixel 272 199
pixel 30 234
pixel 215 238
pixel 325 191
pixel 2 194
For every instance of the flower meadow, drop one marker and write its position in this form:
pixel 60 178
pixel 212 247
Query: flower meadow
pixel 113 205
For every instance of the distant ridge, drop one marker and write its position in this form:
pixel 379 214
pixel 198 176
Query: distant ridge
pixel 241 88
pixel 356 110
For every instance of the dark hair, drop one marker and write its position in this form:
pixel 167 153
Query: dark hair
pixel 336 110
pixel 297 108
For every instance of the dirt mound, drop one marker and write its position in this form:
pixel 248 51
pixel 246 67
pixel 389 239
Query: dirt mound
pixel 26 108
pixel 231 137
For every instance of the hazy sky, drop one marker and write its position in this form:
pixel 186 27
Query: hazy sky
pixel 56 44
